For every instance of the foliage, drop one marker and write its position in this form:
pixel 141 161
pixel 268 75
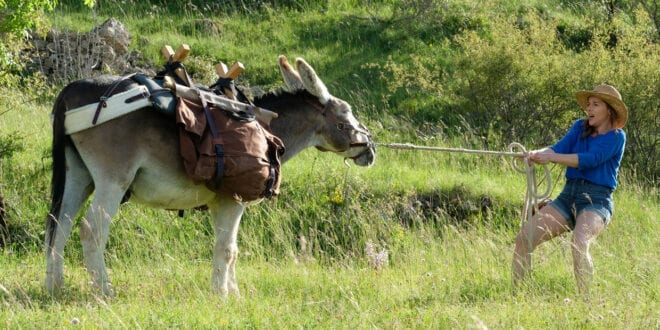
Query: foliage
pixel 210 7
pixel 15 17
pixel 10 144
pixel 18 15
pixel 608 10
pixel 474 74
pixel 527 79
pixel 517 81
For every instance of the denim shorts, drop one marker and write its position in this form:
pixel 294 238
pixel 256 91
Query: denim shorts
pixel 581 195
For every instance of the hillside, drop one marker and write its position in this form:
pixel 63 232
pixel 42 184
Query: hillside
pixel 422 239
pixel 505 71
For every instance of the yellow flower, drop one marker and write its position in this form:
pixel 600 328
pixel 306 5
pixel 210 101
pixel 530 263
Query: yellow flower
pixel 337 197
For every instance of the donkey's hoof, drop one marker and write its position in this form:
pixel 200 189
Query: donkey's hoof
pixel 54 286
pixel 104 290
pixel 220 291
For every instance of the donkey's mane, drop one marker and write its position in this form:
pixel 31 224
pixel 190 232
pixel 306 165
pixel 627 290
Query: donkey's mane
pixel 282 95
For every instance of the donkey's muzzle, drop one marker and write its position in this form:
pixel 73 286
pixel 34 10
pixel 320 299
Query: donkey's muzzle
pixel 368 156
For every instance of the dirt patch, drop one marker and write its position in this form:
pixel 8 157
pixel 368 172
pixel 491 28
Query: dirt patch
pixel 453 206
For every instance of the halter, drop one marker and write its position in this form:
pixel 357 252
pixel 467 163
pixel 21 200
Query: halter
pixel 346 126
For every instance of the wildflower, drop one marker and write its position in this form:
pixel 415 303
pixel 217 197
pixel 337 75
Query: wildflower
pixel 337 197
pixel 376 259
pixel 75 321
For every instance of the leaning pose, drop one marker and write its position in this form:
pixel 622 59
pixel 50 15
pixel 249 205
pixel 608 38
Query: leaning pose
pixel 592 151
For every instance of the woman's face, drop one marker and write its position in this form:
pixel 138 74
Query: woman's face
pixel 598 113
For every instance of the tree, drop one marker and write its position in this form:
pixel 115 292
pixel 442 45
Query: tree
pixel 18 15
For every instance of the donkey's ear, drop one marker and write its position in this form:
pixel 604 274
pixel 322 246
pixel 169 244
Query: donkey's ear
pixel 290 75
pixel 312 82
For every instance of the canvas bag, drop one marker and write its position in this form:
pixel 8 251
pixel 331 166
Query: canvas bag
pixel 251 153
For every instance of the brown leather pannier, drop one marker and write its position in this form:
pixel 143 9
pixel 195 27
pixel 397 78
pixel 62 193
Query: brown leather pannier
pixel 248 154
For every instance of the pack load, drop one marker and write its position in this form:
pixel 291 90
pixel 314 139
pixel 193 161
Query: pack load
pixel 222 143
pixel 230 153
pixel 225 141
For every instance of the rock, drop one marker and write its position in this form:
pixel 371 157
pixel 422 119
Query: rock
pixel 115 34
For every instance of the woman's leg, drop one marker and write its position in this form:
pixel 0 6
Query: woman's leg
pixel 546 224
pixel 588 226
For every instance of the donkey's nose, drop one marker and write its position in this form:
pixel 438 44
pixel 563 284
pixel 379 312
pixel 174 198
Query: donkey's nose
pixel 367 157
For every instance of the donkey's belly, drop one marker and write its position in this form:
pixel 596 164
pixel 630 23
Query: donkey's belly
pixel 168 192
pixel 146 143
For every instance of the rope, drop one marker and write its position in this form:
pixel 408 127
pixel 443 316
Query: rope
pixel 461 150
pixel 531 195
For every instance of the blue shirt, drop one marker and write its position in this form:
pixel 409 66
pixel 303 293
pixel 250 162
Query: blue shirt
pixel 599 157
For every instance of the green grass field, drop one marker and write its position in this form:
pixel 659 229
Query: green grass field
pixel 444 276
pixel 447 268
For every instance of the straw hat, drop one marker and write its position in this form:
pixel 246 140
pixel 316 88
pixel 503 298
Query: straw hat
pixel 611 96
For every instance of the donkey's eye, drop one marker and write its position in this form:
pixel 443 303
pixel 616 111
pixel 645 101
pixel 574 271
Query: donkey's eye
pixel 340 126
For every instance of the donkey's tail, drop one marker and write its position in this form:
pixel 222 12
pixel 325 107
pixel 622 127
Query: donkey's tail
pixel 59 168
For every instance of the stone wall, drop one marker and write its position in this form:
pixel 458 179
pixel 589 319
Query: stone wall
pixel 64 56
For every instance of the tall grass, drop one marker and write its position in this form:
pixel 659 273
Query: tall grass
pixel 439 275
pixel 447 221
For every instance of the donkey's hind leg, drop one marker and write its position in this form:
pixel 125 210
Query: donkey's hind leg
pixel 94 231
pixel 77 188
pixel 226 216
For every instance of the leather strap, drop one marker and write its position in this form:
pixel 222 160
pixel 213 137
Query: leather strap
pixel 107 94
pixel 219 151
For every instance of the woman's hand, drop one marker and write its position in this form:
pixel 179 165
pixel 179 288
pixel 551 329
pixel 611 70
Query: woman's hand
pixel 547 155
pixel 541 156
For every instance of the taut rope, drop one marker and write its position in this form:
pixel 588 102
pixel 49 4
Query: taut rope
pixel 531 196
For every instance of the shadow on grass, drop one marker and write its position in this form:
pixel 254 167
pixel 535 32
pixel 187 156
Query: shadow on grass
pixel 455 206
pixel 36 297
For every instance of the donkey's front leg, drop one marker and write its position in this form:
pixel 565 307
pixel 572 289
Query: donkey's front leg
pixel 94 232
pixel 226 215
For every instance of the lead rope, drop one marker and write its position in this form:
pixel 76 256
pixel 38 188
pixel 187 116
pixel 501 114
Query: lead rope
pixel 532 196
pixel 531 205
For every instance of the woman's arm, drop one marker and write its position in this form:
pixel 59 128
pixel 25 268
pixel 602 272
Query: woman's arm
pixel 547 155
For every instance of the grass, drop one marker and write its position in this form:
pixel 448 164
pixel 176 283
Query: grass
pixel 446 269
pixel 449 276
pixel 461 282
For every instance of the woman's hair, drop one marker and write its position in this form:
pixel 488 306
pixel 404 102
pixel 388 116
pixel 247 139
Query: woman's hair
pixel 588 129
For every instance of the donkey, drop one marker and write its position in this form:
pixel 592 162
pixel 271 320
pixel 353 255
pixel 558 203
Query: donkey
pixel 137 154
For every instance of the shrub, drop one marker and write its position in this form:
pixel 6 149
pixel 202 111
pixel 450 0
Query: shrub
pixel 521 83
pixel 515 80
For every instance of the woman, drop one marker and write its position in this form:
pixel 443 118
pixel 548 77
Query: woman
pixel 592 151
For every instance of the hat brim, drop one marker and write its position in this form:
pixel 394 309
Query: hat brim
pixel 616 104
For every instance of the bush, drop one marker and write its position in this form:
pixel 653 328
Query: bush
pixel 18 15
pixel 518 82
pixel 10 144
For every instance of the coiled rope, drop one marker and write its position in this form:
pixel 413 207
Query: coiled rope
pixel 531 195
